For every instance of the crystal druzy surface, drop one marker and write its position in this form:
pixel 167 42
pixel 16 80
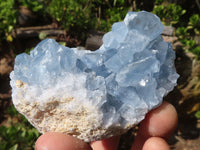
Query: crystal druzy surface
pixel 96 94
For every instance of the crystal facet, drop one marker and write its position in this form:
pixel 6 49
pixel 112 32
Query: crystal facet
pixel 96 94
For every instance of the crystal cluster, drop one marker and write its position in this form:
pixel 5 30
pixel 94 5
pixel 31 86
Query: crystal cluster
pixel 93 95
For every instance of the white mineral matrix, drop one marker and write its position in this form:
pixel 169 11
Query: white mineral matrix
pixel 93 95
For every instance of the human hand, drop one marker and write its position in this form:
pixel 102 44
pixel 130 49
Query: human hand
pixel 157 127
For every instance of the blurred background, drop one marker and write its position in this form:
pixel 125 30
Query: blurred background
pixel 82 23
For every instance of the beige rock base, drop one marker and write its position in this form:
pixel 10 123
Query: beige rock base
pixel 80 124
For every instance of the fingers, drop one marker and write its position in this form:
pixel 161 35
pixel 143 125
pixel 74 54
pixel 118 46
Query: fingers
pixel 155 143
pixel 106 144
pixel 159 122
pixel 59 141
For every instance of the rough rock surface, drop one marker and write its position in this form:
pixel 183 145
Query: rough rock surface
pixel 96 94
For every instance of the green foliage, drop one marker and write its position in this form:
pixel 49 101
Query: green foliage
pixel 17 136
pixel 168 13
pixel 191 46
pixel 197 114
pixel 158 2
pixel 28 50
pixel 194 21
pixel 81 16
pixel 8 18
pixel 42 35
pixel 113 15
pixel 12 111
pixel 194 24
pixel 186 39
pixel 196 51
pixel 109 12
pixel 182 32
pixel 34 5
pixel 186 34
pixel 190 43
pixel 71 13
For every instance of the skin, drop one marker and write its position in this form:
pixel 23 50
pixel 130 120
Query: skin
pixel 153 132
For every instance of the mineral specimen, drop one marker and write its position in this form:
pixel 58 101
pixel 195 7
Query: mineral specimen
pixel 93 95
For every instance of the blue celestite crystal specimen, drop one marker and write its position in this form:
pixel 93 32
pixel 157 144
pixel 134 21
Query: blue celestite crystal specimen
pixel 95 95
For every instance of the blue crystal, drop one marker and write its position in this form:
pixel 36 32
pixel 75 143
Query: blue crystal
pixel 123 80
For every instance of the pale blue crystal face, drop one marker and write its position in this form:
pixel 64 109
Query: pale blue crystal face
pixel 124 79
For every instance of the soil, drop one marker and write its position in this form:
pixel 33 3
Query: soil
pixel 184 97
